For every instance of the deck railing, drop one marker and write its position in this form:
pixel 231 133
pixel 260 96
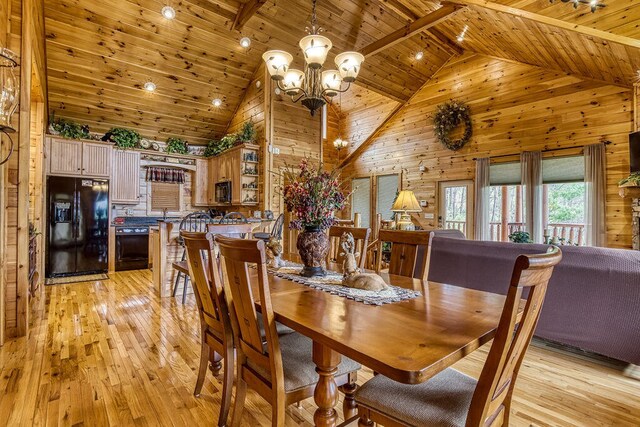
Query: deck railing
pixel 569 233
pixel 456 225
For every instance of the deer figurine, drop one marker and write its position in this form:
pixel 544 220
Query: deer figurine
pixel 352 277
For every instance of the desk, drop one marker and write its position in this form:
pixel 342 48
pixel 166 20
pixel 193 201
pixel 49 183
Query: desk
pixel 408 341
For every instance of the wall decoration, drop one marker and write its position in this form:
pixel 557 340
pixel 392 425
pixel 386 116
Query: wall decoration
pixel 448 117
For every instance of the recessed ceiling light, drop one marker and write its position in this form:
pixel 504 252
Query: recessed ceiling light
pixel 460 38
pixel 168 12
pixel 217 102
pixel 245 42
pixel 150 86
pixel 419 55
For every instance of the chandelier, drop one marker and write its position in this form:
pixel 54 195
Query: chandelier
pixel 595 4
pixel 313 87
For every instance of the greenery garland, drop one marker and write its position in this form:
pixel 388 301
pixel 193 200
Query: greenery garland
pixel 123 138
pixel 70 129
pixel 448 116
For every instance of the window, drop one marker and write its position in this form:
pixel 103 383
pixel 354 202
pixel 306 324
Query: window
pixel 386 191
pixel 563 200
pixel 164 196
pixel 361 200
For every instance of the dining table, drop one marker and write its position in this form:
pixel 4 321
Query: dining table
pixel 408 341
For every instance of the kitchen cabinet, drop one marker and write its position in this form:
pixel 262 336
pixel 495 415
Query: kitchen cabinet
pixel 65 156
pixel 125 180
pixel 77 158
pixel 96 160
pixel 200 184
pixel 213 178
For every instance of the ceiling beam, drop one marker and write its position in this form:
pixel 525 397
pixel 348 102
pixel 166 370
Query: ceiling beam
pixel 411 29
pixel 246 11
pixel 433 33
pixel 546 20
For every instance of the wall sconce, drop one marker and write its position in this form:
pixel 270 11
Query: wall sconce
pixel 9 95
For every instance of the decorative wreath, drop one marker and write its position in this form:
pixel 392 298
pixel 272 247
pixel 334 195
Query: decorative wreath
pixel 448 117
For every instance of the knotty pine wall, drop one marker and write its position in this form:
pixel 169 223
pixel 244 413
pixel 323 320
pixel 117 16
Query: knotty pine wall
pixel 25 37
pixel 515 108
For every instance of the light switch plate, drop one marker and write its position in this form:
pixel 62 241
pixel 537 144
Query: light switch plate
pixel 428 216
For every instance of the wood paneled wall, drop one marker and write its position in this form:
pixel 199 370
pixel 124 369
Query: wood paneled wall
pixel 23 24
pixel 515 108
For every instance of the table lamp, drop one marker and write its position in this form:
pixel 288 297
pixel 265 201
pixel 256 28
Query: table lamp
pixel 406 202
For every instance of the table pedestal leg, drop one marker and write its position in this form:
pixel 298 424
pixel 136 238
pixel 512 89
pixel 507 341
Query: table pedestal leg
pixel 326 392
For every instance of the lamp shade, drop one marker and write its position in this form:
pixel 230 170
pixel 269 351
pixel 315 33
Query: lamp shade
pixel 331 82
pixel 340 143
pixel 293 81
pixel 406 202
pixel 348 64
pixel 277 63
pixel 9 89
pixel 315 48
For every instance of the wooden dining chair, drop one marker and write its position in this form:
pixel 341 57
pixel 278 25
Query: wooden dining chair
pixel 215 325
pixel 240 231
pixel 282 371
pixel 408 252
pixel 361 237
pixel 194 222
pixel 452 398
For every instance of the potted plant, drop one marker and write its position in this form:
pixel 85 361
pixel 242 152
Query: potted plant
pixel 69 129
pixel 123 138
pixel 177 145
pixel 520 237
pixel 312 197
pixel 216 147
pixel 248 133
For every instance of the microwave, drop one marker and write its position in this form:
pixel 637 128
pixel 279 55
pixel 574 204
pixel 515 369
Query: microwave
pixel 223 192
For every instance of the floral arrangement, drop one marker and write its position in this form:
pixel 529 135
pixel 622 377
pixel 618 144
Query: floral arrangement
pixel 177 145
pixel 520 237
pixel 312 196
pixel 448 116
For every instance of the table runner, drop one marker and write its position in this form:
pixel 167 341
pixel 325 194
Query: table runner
pixel 331 283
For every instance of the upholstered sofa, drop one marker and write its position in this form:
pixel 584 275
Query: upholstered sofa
pixel 593 298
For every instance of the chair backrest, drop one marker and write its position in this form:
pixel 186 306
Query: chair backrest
pixel 408 252
pixel 236 255
pixel 207 283
pixel 195 222
pixel 234 218
pixel 361 237
pixel 492 397
pixel 241 231
pixel 276 231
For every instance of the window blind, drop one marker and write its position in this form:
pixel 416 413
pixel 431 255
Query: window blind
pixel 386 194
pixel 361 200
pixel 505 174
pixel 559 170
pixel 165 196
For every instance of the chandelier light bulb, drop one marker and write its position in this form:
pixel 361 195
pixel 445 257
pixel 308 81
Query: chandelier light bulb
pixel 245 42
pixel 419 55
pixel 293 81
pixel 349 64
pixel 217 102
pixel 331 82
pixel 315 48
pixel 150 86
pixel 277 63
pixel 340 143
pixel 168 12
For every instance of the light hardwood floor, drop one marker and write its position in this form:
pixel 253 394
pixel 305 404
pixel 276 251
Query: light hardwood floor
pixel 112 353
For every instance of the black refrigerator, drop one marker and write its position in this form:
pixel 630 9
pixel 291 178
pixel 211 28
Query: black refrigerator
pixel 78 226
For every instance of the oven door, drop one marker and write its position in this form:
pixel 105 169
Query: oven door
pixel 132 251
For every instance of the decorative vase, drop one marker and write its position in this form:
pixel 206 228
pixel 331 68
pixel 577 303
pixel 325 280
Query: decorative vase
pixel 313 247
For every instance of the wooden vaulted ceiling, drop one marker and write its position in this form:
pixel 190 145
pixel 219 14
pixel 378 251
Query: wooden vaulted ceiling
pixel 101 53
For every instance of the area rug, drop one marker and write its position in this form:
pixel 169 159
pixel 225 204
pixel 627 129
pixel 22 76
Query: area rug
pixel 75 279
pixel 332 281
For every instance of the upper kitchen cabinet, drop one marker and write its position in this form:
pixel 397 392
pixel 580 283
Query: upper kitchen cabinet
pixel 200 185
pixel 125 182
pixel 77 158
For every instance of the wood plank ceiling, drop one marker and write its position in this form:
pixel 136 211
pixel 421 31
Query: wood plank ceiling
pixel 100 54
